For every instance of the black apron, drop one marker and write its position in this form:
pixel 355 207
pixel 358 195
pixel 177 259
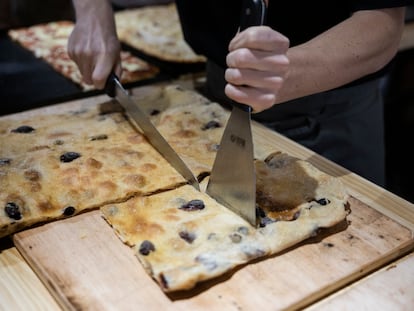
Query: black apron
pixel 344 125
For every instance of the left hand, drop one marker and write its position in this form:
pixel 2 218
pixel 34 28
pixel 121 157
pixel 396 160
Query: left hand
pixel 257 67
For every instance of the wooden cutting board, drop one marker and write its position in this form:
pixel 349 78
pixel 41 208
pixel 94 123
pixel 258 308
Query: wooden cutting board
pixel 86 267
pixel 390 288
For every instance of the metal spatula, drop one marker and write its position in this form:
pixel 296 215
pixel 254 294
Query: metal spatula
pixel 233 179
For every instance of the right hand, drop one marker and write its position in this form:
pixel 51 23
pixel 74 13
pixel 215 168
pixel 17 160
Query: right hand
pixel 94 46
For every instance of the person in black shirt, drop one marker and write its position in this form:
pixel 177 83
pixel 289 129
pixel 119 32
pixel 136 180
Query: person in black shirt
pixel 312 72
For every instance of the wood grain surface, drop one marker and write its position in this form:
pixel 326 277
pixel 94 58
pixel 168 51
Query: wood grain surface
pixel 86 266
pixel 388 289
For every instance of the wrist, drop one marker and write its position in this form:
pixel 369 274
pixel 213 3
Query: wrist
pixel 84 10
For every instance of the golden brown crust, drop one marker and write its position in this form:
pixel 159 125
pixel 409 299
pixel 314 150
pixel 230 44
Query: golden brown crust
pixel 156 31
pixel 190 246
pixel 81 159
pixel 54 166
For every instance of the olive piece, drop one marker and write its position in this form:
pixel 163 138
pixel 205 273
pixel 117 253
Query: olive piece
pixel 146 247
pixel 260 213
pixel 211 125
pixel 235 237
pixel 69 156
pixel 265 221
pixel 5 161
pixel 23 129
pixel 69 211
pixel 99 137
pixel 193 205
pixel 13 211
pixel 58 142
pixel 154 112
pixel 323 201
pixel 187 236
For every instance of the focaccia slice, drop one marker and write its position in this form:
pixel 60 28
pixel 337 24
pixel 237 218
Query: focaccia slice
pixel 192 124
pixel 156 31
pixel 60 165
pixel 183 236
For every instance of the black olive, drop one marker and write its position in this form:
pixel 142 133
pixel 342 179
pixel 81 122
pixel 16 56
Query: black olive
pixel 69 156
pixel 5 161
pixel 235 237
pixel 58 142
pixel 187 236
pixel 193 205
pixel 99 137
pixel 13 211
pixel 265 221
pixel 154 112
pixel 23 129
pixel 260 213
pixel 146 247
pixel 211 125
pixel 323 201
pixel 243 230
pixel 69 211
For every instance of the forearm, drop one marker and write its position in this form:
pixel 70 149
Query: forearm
pixel 361 45
pixel 90 8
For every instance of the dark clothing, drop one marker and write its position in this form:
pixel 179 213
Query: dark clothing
pixel 345 124
pixel 210 25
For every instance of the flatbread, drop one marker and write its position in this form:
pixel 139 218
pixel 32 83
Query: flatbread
pixel 48 41
pixel 79 160
pixel 183 236
pixel 58 165
pixel 156 31
pixel 192 125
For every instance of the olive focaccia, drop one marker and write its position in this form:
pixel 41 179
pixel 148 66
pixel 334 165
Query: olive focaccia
pixel 183 236
pixel 55 165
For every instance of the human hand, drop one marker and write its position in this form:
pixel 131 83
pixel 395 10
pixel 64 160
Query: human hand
pixel 94 46
pixel 257 67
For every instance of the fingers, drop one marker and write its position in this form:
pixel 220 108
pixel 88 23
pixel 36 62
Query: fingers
pixel 96 56
pixel 103 67
pixel 257 67
pixel 244 58
pixel 259 100
pixel 262 38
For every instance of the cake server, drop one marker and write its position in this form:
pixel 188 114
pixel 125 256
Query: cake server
pixel 233 179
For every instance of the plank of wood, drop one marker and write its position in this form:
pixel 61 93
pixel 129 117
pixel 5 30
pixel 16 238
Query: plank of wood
pixel 391 288
pixel 20 288
pixel 86 266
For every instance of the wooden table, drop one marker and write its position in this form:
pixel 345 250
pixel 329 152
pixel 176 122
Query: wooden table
pixel 389 284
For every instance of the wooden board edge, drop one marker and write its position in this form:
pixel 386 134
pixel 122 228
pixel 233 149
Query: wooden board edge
pixel 42 274
pixel 352 278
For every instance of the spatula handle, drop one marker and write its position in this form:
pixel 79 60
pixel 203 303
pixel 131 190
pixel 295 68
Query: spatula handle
pixel 253 13
pixel 110 84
